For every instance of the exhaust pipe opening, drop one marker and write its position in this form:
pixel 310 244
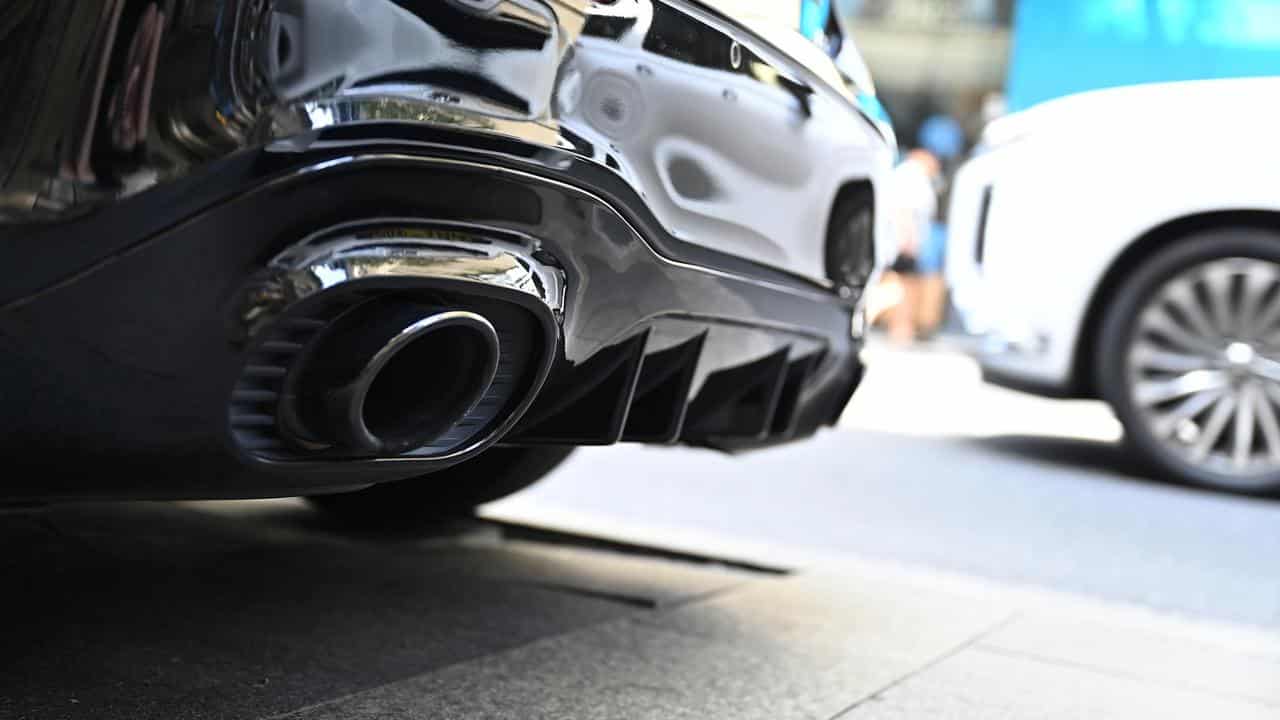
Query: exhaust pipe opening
pixel 431 382
pixel 391 377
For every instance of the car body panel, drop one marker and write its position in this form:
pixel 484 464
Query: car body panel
pixel 698 92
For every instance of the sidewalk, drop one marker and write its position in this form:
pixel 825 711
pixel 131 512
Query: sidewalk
pixel 208 611
pixel 849 639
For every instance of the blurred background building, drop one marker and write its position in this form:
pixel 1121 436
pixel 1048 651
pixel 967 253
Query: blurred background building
pixel 933 57
pixel 972 59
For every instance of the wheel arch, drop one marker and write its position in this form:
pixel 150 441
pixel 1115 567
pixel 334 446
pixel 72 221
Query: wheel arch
pixel 1084 382
pixel 859 190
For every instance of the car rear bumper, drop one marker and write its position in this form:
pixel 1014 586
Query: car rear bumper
pixel 127 376
pixel 205 206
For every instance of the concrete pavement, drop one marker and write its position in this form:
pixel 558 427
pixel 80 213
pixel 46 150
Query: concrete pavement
pixel 261 610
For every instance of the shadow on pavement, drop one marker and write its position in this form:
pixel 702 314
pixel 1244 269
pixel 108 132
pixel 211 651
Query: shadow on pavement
pixel 1110 458
pixel 299 516
pixel 1072 452
pixel 1113 458
pixel 152 610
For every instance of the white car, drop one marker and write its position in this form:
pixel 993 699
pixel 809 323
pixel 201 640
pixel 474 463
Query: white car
pixel 1124 245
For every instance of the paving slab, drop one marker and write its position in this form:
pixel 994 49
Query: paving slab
pixel 981 684
pixel 263 610
pixel 163 611
pixel 1175 655
pixel 794 647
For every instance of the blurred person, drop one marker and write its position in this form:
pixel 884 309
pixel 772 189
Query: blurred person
pixel 942 135
pixel 915 276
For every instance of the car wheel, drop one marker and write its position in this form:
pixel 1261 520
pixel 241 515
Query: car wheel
pixel 449 493
pixel 1189 358
pixel 850 247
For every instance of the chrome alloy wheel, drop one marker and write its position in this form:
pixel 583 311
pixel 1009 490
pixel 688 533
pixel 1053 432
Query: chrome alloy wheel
pixel 1203 367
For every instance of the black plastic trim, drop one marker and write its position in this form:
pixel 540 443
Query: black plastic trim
pixel 738 402
pixel 662 396
pixel 588 405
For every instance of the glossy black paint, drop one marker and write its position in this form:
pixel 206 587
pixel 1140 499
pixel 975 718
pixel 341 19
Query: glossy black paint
pixel 130 97
pixel 52 253
pixel 128 367
pixel 169 151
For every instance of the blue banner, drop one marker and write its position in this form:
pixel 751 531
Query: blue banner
pixel 1067 46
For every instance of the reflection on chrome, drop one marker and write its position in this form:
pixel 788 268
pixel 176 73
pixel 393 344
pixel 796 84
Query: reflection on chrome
pixel 398 248
pixel 735 137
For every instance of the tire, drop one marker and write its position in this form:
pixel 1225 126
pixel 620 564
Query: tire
pixel 850 244
pixel 450 493
pixel 1187 359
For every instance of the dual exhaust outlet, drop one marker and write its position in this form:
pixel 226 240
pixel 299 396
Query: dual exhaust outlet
pixel 389 376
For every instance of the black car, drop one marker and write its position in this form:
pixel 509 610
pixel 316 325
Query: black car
pixel 331 247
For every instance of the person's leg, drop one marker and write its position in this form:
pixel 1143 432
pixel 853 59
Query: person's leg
pixel 902 318
pixel 932 304
pixel 883 297
pixel 933 288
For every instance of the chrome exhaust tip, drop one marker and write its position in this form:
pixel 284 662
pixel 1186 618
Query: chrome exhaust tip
pixel 391 376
